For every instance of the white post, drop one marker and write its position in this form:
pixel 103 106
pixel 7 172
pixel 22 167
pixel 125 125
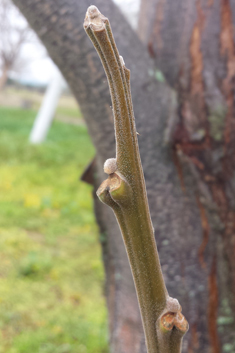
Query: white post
pixel 46 112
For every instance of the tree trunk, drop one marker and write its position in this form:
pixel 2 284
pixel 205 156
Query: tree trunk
pixel 178 210
pixel 195 50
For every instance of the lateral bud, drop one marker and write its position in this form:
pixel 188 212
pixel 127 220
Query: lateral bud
pixel 110 166
pixel 173 305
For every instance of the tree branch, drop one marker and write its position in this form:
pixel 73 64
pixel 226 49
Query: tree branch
pixel 125 192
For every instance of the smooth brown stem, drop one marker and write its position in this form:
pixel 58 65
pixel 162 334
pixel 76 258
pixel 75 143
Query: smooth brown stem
pixel 124 190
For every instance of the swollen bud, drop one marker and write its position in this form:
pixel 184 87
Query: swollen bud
pixel 110 166
pixel 92 12
pixel 173 305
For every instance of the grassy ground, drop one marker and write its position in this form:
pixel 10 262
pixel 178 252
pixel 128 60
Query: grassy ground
pixel 51 274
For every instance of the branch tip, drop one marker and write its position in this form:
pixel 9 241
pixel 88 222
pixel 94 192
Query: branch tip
pixel 94 19
pixel 92 12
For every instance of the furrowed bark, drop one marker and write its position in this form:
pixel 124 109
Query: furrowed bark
pixel 125 192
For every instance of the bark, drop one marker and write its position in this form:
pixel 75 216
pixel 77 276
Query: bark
pixel 176 205
pixel 196 52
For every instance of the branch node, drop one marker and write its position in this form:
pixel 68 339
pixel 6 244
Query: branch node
pixel 115 188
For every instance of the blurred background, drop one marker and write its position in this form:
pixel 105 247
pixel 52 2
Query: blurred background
pixel 48 235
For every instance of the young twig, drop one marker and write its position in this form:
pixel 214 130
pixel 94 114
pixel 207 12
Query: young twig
pixel 125 192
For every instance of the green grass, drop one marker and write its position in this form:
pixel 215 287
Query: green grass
pixel 51 275
pixel 72 112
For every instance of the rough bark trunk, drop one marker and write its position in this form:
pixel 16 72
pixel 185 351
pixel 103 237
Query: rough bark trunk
pixel 176 205
pixel 195 50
